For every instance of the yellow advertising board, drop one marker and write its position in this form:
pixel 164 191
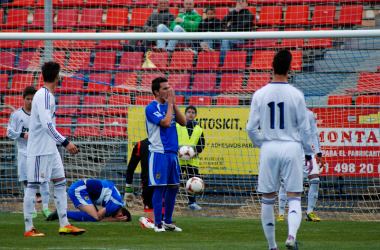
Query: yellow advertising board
pixel 228 148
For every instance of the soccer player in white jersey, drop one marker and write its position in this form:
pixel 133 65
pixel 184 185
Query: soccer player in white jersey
pixel 313 176
pixel 279 110
pixel 18 129
pixel 44 161
pixel 164 169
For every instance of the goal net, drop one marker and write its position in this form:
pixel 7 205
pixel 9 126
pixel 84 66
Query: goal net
pixel 105 86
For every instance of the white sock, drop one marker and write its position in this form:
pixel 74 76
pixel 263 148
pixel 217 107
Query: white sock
pixel 60 199
pixel 267 220
pixel 313 194
pixel 281 200
pixel 44 189
pixel 29 204
pixel 294 215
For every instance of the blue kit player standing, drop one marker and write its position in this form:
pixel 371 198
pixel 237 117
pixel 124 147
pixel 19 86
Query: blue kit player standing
pixel 164 169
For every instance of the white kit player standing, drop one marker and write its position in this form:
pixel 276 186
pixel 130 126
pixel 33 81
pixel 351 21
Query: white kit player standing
pixel 18 129
pixel 313 176
pixel 279 110
pixel 44 161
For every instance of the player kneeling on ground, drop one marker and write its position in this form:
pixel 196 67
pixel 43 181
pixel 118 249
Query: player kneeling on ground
pixel 86 194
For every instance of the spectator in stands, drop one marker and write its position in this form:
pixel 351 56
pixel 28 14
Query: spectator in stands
pixel 185 22
pixel 163 16
pixel 240 19
pixel 209 24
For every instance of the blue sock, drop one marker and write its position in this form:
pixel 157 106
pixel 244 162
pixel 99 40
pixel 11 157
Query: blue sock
pixel 80 216
pixel 157 204
pixel 169 204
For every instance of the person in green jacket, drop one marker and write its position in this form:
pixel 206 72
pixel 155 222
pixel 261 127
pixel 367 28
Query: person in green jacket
pixel 185 22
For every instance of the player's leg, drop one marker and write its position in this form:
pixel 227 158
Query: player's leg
pixel 173 43
pixel 281 202
pixel 267 185
pixel 161 44
pixel 147 195
pixel 313 177
pixel 45 195
pixel 30 195
pixel 22 170
pixel 57 174
pixel 171 193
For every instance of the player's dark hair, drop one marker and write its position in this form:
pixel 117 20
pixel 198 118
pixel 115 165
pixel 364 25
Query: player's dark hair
pixel 30 90
pixel 191 107
pixel 281 62
pixel 210 8
pixel 125 213
pixel 156 84
pixel 50 70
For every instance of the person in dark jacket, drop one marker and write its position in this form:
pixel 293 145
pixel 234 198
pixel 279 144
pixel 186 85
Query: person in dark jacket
pixel 238 20
pixel 162 16
pixel 209 24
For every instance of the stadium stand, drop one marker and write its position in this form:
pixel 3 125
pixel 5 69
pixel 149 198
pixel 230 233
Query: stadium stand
pixel 270 15
pixel 227 100
pixel 116 17
pixel 91 17
pixel 16 18
pixel 368 83
pixel 7 61
pixel 256 81
pixel 339 100
pixel 109 44
pixel 296 15
pixel 200 100
pixel 93 100
pixel 204 82
pixel 90 131
pixel 235 60
pixel 231 82
pixel 146 81
pixel 323 15
pixel 115 131
pixel 208 60
pixel 99 83
pixel 118 100
pixel 71 84
pixel 4 83
pixel 180 82
pixel 10 44
pixel 368 100
pixel 67 18
pixel 140 16
pixel 20 82
pixel 182 60
pixel 130 61
pixel 125 82
pixel 68 100
pixel 39 18
pixel 15 101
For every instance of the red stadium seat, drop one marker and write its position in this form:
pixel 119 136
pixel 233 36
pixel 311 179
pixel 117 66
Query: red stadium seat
pixel 160 60
pixel 16 18
pixel 9 44
pixel 68 100
pixel 4 78
pixel 319 42
pixel 116 18
pixel 78 60
pixel 262 60
pixel 3 132
pixel 297 60
pixel 39 18
pixel 231 82
pixel 200 100
pixel 63 120
pixel 67 18
pixel 146 81
pixel 7 61
pixel 59 57
pixel 40 82
pixel 118 100
pixel 257 81
pixel 71 84
pixel 368 100
pixel 130 61
pixel 14 101
pixel 180 82
pixel 140 16
pixel 296 15
pixel 103 61
pixel 41 3
pixel 37 44
pixel 350 15
pixel 200 11
pixel 69 3
pixel 223 2
pixel 125 82
pixel 64 131
pixel 120 3
pixel 94 130
pixel 262 43
pixel 4 120
pixel 182 60
pixel 93 100
pixel 20 82
pixel 29 60
pixel 94 3
pixel 221 12
pixel 91 18
pixel 20 3
pixel 84 44
pixel 109 44
pixel 227 100
pixel 368 83
pixel 235 60
pixel 145 2
pixel 208 60
pixel 292 43
pixel 144 100
pixel 179 99
pixel 339 100
pixel 270 15
pixel 115 131
pixel 323 15
pixel 204 82
pixel 174 11
pixel 99 83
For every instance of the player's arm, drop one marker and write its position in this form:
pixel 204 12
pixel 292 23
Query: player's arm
pixel 46 115
pixel 201 144
pixel 129 198
pixel 315 139
pixel 12 129
pixel 179 117
pixel 304 130
pixel 253 124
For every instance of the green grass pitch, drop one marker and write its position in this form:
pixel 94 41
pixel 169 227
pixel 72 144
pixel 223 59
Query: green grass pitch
pixel 198 233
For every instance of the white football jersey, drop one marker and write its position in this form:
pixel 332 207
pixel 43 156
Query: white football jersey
pixel 42 132
pixel 18 124
pixel 314 132
pixel 279 110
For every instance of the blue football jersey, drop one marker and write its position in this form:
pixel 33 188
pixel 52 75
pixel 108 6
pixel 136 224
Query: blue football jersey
pixel 162 140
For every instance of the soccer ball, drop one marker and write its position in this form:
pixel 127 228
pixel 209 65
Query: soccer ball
pixel 195 186
pixel 186 153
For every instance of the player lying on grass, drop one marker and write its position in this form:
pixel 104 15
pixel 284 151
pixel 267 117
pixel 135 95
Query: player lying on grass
pixel 313 176
pixel 18 129
pixel 86 194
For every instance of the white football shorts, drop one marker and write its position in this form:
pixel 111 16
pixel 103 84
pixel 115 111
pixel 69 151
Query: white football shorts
pixel 44 168
pixel 314 171
pixel 280 157
pixel 22 169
